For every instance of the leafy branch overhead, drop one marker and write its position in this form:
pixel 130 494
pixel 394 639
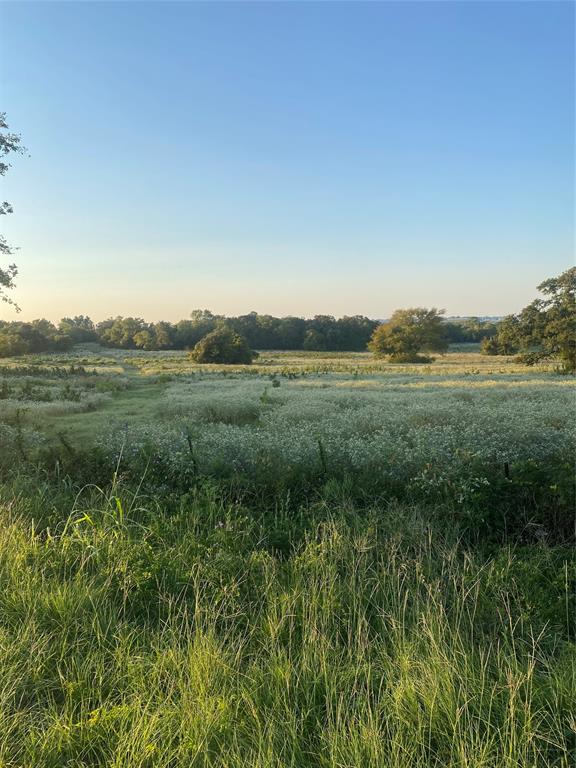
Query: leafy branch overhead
pixel 10 143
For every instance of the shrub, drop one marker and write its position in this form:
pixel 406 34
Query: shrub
pixel 223 345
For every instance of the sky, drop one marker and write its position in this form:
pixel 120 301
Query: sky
pixel 287 157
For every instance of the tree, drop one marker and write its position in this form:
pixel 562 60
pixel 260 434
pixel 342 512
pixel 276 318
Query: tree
pixel 80 328
pixel 409 332
pixel 291 333
pixel 145 340
pixel 354 332
pixel 223 345
pixel 9 142
pixel 546 328
pixel 121 331
pixel 469 330
pixel 314 341
pixel 507 339
pixel 321 334
pixel 164 334
pixel 18 338
pixel 161 335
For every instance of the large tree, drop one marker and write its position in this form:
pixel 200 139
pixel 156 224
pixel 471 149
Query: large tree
pixel 546 328
pixel 79 328
pixel 408 333
pixel 121 332
pixel 9 143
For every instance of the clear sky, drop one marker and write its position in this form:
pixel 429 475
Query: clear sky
pixel 290 158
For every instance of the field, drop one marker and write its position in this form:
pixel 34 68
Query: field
pixel 316 561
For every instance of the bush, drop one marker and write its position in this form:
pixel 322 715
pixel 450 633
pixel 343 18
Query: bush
pixel 223 345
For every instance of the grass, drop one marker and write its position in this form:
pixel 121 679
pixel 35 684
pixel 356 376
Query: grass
pixel 321 561
pixel 119 387
pixel 132 406
pixel 461 358
pixel 139 636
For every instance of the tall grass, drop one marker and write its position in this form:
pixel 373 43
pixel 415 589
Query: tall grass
pixel 317 563
pixel 196 633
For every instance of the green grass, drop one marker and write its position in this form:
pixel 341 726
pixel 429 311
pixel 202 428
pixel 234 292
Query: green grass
pixel 320 561
pixel 137 635
pixel 131 406
pixel 134 388
pixel 461 358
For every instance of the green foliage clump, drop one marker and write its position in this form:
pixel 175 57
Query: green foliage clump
pixel 409 332
pixel 470 330
pixel 10 143
pixel 320 333
pixel 122 332
pixel 79 329
pixel 546 328
pixel 17 338
pixel 223 345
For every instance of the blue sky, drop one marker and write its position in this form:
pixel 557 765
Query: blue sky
pixel 291 158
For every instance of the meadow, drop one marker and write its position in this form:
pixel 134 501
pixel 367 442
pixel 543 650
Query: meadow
pixel 319 560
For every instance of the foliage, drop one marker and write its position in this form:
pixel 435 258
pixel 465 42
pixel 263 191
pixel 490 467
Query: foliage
pixel 223 345
pixel 260 331
pixel 470 330
pixel 79 329
pixel 506 340
pixel 121 331
pixel 404 337
pixel 17 338
pixel 546 328
pixel 409 332
pixel 9 143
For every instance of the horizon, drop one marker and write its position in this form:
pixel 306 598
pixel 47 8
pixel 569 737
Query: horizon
pixel 97 320
pixel 289 159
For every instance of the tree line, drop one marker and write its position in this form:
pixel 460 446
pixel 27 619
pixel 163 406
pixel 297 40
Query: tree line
pixel 544 330
pixel 322 333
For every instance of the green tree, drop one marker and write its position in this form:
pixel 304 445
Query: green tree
pixel 145 339
pixel 18 338
pixel 469 330
pixel 121 331
pixel 409 332
pixel 80 328
pixel 555 335
pixel 291 333
pixel 506 341
pixel 223 345
pixel 164 334
pixel 546 328
pixel 354 332
pixel 314 341
pixel 9 143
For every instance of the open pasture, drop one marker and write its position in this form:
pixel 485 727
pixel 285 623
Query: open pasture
pixel 449 429
pixel 316 561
